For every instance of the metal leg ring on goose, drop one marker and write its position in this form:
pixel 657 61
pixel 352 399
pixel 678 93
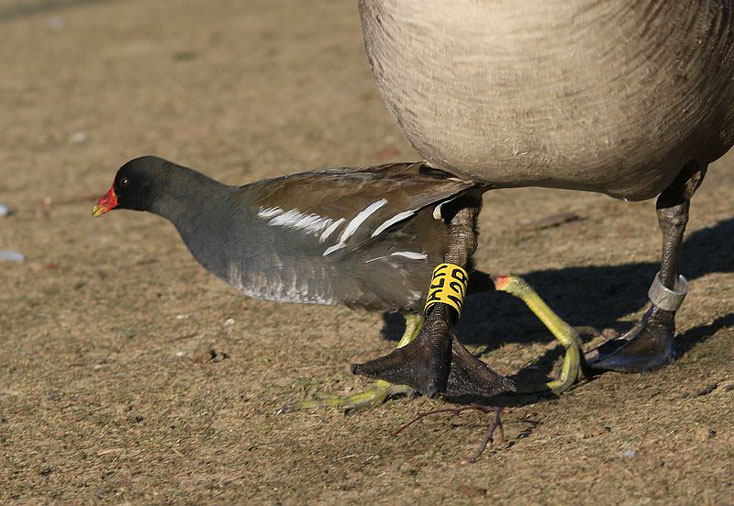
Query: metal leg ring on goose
pixel 649 344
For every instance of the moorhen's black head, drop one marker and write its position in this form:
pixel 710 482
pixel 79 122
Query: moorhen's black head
pixel 137 184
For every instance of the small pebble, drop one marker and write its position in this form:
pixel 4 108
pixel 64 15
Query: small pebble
pixel 627 454
pixel 4 211
pixel 229 322
pixel 704 434
pixel 10 256
pixel 55 23
pixel 78 137
pixel 181 316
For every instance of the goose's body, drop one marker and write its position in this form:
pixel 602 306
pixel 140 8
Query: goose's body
pixel 611 96
pixel 632 98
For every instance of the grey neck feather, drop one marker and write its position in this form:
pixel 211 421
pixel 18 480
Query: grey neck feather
pixel 183 194
pixel 219 226
pixel 202 211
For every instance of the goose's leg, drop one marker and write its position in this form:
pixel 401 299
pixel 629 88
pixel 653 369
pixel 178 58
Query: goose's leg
pixel 436 362
pixel 649 343
pixel 374 395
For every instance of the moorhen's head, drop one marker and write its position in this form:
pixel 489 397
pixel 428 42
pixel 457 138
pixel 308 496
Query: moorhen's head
pixel 136 185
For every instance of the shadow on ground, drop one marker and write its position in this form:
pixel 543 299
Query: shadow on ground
pixel 597 297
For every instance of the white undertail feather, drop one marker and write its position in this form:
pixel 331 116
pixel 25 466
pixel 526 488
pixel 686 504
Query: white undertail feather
pixel 437 210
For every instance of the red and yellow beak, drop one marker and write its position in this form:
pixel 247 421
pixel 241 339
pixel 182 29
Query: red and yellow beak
pixel 107 202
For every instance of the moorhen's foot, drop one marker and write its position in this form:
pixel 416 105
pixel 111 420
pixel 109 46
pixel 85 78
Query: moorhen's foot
pixel 649 344
pixel 373 396
pixel 436 363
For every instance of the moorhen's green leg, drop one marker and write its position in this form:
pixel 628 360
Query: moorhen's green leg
pixel 649 343
pixel 373 396
pixel 573 366
pixel 436 362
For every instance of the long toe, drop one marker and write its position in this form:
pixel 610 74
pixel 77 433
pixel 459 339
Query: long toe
pixel 370 398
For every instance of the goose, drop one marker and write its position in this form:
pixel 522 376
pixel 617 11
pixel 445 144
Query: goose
pixel 629 98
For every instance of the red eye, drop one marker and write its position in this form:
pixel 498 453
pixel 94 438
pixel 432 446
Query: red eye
pixel 123 183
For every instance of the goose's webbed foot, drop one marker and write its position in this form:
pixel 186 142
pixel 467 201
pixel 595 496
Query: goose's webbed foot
pixel 648 345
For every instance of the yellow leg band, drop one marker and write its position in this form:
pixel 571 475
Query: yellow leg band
pixel 448 285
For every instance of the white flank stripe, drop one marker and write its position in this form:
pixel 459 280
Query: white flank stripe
pixel 332 249
pixel 373 259
pixel 354 225
pixel 331 229
pixel 359 219
pixel 309 223
pixel 411 254
pixel 392 221
pixel 269 212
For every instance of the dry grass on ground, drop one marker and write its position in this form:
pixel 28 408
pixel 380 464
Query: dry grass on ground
pixel 104 395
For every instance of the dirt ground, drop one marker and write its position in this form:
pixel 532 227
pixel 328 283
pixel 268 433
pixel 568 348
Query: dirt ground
pixel 107 390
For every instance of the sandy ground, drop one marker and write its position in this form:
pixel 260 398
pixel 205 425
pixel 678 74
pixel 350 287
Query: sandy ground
pixel 107 393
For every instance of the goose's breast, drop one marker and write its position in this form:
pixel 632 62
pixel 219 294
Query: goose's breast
pixel 612 96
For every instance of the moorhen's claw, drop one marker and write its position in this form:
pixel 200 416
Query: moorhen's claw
pixel 373 396
pixel 648 345
pixel 436 363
